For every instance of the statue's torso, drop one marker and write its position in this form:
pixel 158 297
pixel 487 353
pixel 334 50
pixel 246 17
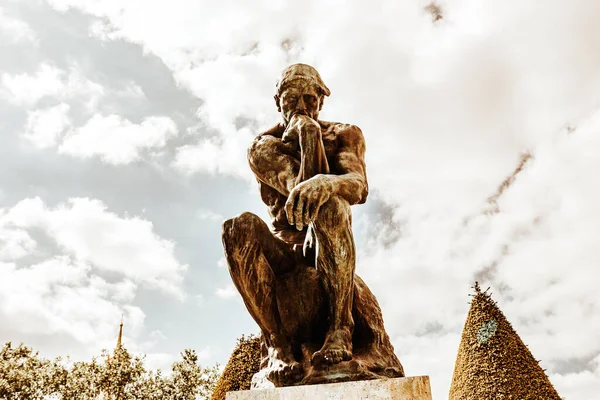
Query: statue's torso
pixel 275 201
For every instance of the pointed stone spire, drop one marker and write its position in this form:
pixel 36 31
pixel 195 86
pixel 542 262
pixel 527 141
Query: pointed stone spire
pixel 493 362
pixel 120 337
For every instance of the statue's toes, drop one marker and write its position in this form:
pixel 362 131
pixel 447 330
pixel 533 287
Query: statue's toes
pixel 337 356
pixel 293 372
pixel 288 374
pixel 317 358
pixel 330 357
pixel 274 376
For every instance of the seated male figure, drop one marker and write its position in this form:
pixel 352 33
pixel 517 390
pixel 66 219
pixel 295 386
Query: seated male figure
pixel 310 172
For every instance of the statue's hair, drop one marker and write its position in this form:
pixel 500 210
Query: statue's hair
pixel 302 72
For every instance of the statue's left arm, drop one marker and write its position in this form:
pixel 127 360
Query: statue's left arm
pixel 349 182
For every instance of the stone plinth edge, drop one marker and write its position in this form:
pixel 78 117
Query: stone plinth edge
pixel 411 388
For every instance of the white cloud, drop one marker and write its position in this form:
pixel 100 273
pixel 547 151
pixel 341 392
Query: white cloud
pixel 59 297
pixel 28 89
pixel 69 272
pixel 205 214
pixel 222 263
pixel 216 155
pixel 162 361
pixel 131 90
pixel 50 81
pixel 227 292
pixel 116 140
pixel 15 30
pixel 204 353
pixel 89 234
pixel 537 253
pixel 15 243
pixel 45 126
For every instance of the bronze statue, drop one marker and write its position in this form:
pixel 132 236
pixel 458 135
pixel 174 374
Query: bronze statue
pixel 320 322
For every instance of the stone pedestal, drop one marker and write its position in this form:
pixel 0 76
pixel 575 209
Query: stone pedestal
pixel 412 388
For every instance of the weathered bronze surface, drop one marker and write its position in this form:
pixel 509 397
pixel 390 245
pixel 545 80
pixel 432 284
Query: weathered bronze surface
pixel 320 322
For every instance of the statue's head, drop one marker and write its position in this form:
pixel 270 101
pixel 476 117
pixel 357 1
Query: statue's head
pixel 300 90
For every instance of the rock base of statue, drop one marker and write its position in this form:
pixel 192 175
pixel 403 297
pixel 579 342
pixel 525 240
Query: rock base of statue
pixel 411 388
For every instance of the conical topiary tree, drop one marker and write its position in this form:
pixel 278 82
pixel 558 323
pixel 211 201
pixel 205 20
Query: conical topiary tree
pixel 242 365
pixel 493 362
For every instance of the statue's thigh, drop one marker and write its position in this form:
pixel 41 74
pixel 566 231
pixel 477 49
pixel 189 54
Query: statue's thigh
pixel 248 241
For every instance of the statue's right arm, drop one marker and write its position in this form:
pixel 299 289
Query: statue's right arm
pixel 274 162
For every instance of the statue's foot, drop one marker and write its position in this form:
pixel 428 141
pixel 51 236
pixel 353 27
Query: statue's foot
pixel 283 369
pixel 286 374
pixel 337 348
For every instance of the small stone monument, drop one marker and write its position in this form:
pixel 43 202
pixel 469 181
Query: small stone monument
pixel 320 322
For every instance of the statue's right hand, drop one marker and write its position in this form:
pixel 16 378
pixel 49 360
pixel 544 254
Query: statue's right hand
pixel 305 200
pixel 297 124
pixel 290 136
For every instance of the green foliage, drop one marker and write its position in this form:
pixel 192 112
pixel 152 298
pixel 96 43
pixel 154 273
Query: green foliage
pixel 242 365
pixel 24 376
pixel 117 376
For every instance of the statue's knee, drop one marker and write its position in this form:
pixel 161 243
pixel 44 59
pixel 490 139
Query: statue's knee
pixel 335 212
pixel 237 229
pixel 336 205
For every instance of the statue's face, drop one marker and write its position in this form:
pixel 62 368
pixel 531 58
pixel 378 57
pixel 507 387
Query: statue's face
pixel 301 98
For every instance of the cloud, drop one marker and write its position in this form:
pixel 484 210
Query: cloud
pixel 112 138
pixel 537 253
pixel 204 353
pixel 58 296
pixel 68 273
pixel 28 89
pixel 222 262
pixel 205 214
pixel 49 81
pixel 15 243
pixel 217 80
pixel 116 140
pixel 45 126
pixel 15 30
pixel 131 90
pixel 227 292
pixel 91 236
pixel 216 156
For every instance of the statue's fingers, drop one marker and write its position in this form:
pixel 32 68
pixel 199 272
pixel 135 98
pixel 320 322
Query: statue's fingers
pixel 306 214
pixel 289 208
pixel 315 212
pixel 299 222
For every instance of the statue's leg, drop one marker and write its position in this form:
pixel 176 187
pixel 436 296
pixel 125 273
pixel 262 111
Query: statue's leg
pixel 336 261
pixel 255 257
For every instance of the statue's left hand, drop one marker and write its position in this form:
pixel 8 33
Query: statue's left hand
pixel 304 201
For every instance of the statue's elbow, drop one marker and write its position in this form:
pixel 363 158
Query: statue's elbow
pixel 363 194
pixel 252 152
pixel 255 154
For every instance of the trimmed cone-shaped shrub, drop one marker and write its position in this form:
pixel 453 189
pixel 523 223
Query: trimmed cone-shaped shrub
pixel 493 362
pixel 242 365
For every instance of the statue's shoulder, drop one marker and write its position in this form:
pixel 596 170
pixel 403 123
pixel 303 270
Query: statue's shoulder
pixel 342 131
pixel 276 131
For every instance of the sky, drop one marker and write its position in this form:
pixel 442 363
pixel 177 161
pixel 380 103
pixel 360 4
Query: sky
pixel 124 128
